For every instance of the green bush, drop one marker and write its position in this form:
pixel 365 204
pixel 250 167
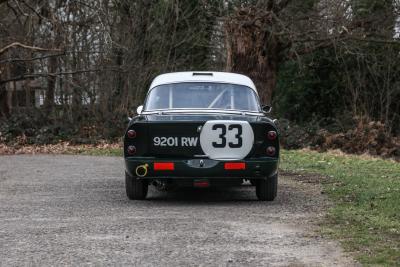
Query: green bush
pixel 309 89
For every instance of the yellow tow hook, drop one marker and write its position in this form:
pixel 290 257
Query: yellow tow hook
pixel 141 170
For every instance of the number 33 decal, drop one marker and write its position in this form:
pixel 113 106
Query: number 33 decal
pixel 222 135
pixel 226 139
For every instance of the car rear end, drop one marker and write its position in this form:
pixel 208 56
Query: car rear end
pixel 170 151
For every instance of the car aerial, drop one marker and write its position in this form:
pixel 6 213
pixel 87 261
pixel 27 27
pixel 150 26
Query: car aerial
pixel 201 129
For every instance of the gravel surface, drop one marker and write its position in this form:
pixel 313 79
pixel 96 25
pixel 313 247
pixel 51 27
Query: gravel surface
pixel 72 210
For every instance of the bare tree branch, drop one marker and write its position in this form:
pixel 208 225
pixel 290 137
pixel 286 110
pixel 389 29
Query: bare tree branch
pixel 36 75
pixel 4 49
pixel 14 60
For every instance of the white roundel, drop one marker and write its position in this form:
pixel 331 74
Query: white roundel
pixel 226 140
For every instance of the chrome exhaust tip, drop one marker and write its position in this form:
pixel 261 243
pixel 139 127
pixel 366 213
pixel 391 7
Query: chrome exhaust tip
pixel 142 170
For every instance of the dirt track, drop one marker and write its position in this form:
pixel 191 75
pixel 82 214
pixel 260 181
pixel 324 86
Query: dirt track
pixel 73 210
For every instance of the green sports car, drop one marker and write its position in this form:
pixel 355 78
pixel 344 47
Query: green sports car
pixel 201 129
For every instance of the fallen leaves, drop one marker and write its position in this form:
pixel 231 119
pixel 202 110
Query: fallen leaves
pixel 59 148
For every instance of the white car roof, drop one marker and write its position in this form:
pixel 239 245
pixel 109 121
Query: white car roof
pixel 203 76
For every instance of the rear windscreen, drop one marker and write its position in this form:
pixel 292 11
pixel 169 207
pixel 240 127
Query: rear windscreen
pixel 202 95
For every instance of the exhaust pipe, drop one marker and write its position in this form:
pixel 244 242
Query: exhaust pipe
pixel 141 170
pixel 163 185
pixel 160 185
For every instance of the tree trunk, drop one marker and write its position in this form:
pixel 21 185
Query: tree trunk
pixel 4 103
pixel 252 50
pixel 51 83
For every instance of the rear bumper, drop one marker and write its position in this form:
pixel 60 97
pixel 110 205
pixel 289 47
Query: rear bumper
pixel 194 168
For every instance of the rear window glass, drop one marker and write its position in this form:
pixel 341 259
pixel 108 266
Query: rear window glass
pixel 199 95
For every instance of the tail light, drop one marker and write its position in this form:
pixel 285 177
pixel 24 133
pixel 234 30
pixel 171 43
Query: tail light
pixel 272 135
pixel 131 133
pixel 201 183
pixel 131 150
pixel 235 166
pixel 164 166
pixel 271 151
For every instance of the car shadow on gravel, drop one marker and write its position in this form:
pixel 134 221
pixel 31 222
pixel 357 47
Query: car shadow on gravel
pixel 244 193
pixel 293 196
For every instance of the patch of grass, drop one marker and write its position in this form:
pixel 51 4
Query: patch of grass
pixel 366 196
pixel 100 149
pixel 95 151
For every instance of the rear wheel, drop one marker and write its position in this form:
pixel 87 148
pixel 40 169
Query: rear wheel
pixel 266 189
pixel 135 188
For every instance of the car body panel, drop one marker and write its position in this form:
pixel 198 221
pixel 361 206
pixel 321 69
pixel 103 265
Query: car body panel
pixel 256 168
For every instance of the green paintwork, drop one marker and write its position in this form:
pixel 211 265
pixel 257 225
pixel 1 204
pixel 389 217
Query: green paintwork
pixel 257 168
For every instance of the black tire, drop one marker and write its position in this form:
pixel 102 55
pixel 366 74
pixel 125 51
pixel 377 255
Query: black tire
pixel 267 189
pixel 135 188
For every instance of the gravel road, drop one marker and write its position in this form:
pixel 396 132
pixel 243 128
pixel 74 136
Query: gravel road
pixel 72 210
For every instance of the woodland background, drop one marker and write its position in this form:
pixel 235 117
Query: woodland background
pixel 74 70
